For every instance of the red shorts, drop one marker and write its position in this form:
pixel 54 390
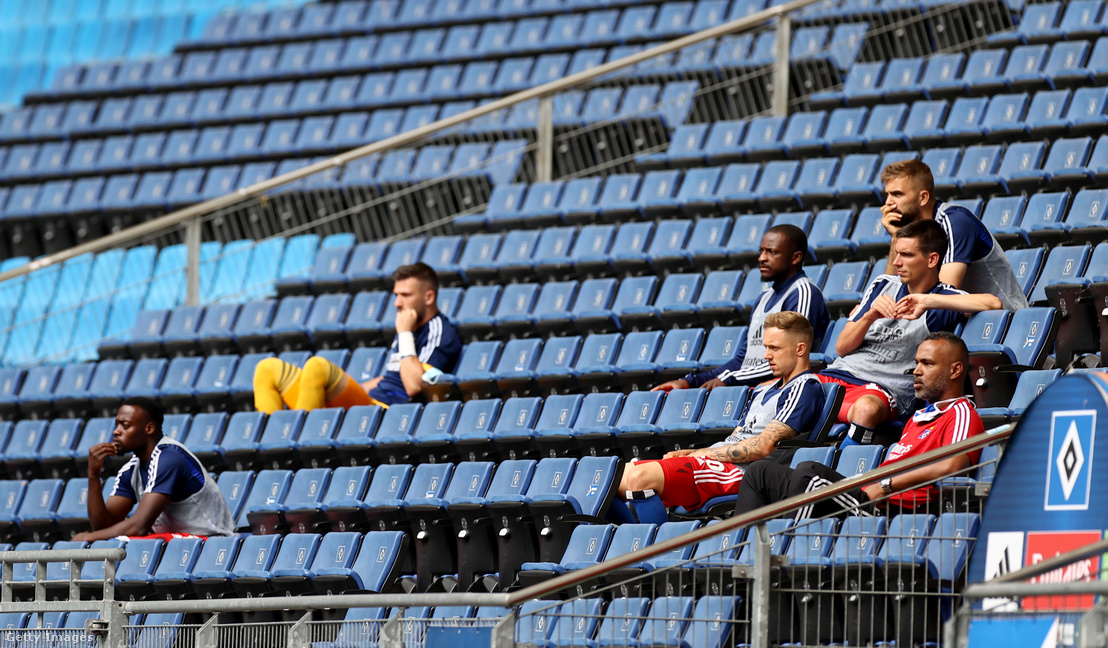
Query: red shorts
pixel 854 392
pixel 691 481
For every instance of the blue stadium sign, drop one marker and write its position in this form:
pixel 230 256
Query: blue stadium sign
pixel 1048 493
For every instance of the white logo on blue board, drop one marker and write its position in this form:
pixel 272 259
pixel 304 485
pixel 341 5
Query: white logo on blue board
pixel 1069 470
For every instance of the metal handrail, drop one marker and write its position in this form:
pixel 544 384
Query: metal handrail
pixel 760 515
pixel 182 216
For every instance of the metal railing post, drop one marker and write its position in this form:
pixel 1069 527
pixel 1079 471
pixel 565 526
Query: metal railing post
pixel 504 633
pixel 781 66
pixel 206 634
pixel 1091 627
pixel 192 267
pixel 112 612
pixel 6 585
pixel 544 139
pixel 759 605
pixel 300 635
pixel 40 580
pixel 392 633
pixel 109 580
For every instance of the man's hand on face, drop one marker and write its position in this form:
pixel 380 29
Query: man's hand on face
pixel 891 218
pixel 97 454
pixel 406 320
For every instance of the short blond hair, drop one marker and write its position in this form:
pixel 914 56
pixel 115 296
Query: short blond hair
pixel 795 324
pixel 918 172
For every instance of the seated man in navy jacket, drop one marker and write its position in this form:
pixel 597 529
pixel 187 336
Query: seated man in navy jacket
pixel 427 344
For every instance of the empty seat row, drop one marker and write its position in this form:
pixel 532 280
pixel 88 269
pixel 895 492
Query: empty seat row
pixel 63 312
pixel 297 563
pixel 96 38
pixel 162 190
pixel 283 137
pixel 315 21
pixel 919 125
pixel 457 45
pixel 985 71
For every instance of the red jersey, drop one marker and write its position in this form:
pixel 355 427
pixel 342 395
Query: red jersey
pixel 958 422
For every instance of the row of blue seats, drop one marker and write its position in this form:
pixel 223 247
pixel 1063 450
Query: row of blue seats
pixel 366 318
pixel 420 50
pixel 595 305
pixel 53 12
pixel 161 190
pixel 40 311
pixel 1051 21
pixel 323 20
pixel 302 563
pixel 21 79
pixel 64 43
pixel 212 378
pixel 88 277
pixel 983 71
pixel 1004 117
pixel 671 104
pixel 346 130
pixel 490 427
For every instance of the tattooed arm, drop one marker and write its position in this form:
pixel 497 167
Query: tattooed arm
pixel 753 448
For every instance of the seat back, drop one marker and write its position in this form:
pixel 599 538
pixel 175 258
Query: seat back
pixel 640 408
pixel 438 419
pixel 348 483
pixel 907 540
pixel 986 327
pixel 593 484
pixel 859 540
pixel 682 406
pixel 269 486
pixel 1031 335
pixel 307 488
pixel 360 422
pixel 235 486
pixel 218 554
pixel 857 459
pixel 950 544
pixel 258 553
pixel 390 482
pixel 622 621
pixel 666 621
pixel 588 543
pixel 478 417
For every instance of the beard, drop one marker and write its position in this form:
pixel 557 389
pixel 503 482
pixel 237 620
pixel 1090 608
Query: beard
pixel 931 393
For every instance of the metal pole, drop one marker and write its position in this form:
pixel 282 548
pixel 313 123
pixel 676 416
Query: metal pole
pixel 392 633
pixel 300 635
pixel 206 634
pixel 1090 630
pixel 781 66
pixel 112 612
pixel 544 156
pixel 503 634
pixel 759 604
pixel 192 268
